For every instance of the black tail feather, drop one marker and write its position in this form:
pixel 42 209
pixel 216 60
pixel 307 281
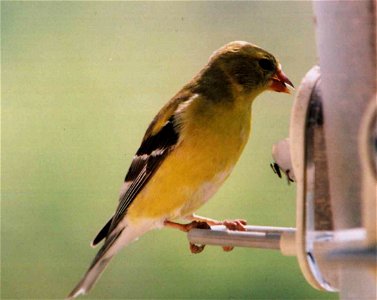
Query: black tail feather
pixel 102 234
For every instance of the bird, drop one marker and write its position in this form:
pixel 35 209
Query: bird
pixel 188 151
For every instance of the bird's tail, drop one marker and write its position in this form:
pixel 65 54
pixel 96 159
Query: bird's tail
pixel 90 278
pixel 102 259
pixel 120 237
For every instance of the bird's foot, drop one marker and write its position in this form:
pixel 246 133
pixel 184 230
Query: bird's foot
pixel 187 227
pixel 204 223
pixel 237 224
pixel 194 248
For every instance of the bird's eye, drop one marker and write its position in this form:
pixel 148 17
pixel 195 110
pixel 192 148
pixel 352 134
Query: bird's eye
pixel 267 64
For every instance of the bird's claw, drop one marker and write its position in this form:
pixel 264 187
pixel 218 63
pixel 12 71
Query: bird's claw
pixel 237 224
pixel 197 224
pixel 196 249
pixel 228 248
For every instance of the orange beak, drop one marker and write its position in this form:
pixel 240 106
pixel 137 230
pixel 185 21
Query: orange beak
pixel 279 82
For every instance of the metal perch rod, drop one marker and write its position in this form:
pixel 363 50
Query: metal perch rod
pixel 266 237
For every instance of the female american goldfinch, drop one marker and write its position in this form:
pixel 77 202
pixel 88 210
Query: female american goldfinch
pixel 188 150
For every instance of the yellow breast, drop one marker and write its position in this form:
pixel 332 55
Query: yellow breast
pixel 211 141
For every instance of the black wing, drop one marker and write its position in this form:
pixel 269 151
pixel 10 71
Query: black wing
pixel 148 158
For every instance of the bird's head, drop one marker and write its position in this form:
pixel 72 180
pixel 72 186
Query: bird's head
pixel 250 68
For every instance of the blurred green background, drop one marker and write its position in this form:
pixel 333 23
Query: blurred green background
pixel 80 83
